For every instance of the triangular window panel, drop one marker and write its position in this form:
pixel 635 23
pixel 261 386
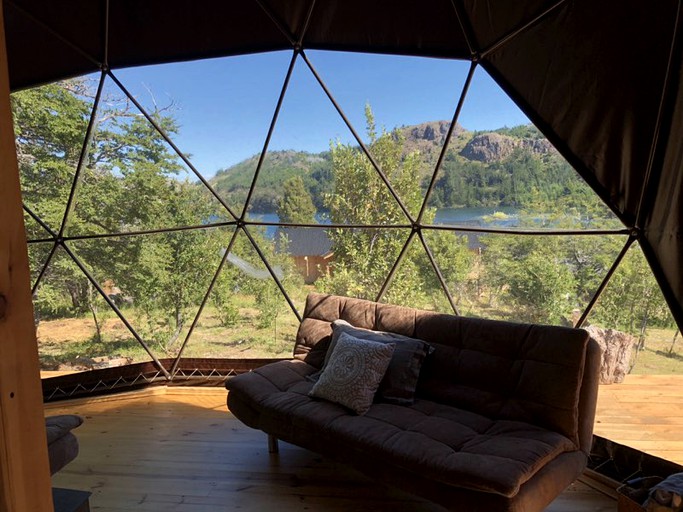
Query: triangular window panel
pixel 158 281
pixel 455 255
pixel 413 99
pixel 498 165
pixel 134 180
pixel 415 282
pixel 246 314
pixel 222 108
pixel 50 124
pixel 76 329
pixel 645 332
pixel 545 279
pixel 312 144
pixel 361 260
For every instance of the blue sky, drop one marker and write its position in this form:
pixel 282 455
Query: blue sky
pixel 225 106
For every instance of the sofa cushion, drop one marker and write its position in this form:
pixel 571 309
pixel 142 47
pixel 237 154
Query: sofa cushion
pixel 60 425
pixel 441 442
pixel 62 445
pixel 353 372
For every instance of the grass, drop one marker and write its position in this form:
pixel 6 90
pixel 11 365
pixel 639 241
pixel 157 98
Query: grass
pixel 656 358
pixel 70 343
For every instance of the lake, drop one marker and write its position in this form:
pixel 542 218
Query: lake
pixel 501 216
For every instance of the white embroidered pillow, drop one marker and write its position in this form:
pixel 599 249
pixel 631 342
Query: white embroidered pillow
pixel 353 372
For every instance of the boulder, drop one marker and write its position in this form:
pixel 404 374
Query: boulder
pixel 616 353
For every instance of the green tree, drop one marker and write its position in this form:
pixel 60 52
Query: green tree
pixel 244 282
pixel 455 260
pixel 532 275
pixel 49 124
pixel 296 205
pixel 363 257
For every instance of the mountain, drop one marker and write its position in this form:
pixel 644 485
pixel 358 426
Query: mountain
pixel 492 158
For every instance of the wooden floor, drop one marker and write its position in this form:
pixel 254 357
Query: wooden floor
pixel 178 449
pixel 644 412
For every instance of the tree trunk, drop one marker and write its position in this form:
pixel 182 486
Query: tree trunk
pixel 673 342
pixel 92 305
pixel 176 332
pixel 641 337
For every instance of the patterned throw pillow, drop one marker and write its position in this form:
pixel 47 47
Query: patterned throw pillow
pixel 353 373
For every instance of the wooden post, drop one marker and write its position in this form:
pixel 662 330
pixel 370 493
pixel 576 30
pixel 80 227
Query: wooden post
pixel 24 469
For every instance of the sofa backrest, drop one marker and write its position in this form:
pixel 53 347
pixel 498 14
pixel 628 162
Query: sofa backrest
pixel 543 375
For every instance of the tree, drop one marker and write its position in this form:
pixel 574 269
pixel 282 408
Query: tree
pixel 296 205
pixel 50 124
pixel 171 271
pixel 363 257
pixel 532 275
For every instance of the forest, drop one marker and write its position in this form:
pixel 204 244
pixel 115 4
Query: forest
pixel 109 203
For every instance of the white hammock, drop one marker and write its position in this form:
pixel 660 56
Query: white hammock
pixel 250 270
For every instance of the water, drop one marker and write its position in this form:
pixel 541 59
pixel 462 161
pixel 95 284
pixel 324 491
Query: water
pixel 272 217
pixel 500 216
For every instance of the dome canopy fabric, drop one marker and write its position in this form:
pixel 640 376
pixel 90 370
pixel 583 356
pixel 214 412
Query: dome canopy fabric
pixel 601 80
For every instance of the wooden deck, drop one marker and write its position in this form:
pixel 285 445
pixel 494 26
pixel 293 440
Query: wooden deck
pixel 178 449
pixel 644 412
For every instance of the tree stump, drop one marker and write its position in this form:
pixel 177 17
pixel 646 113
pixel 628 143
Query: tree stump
pixel 616 353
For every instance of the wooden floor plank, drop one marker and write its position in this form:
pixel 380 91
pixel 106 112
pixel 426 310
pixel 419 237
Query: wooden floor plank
pixel 644 412
pixel 182 451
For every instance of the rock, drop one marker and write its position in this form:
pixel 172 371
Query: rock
pixel 434 131
pixel 538 146
pixel 489 147
pixel 493 147
pixel 616 353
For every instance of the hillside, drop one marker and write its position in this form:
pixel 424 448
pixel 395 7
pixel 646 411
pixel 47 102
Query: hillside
pixel 502 167
pixel 278 166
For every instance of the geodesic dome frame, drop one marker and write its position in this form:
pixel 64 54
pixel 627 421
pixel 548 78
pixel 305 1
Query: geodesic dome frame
pixel 602 82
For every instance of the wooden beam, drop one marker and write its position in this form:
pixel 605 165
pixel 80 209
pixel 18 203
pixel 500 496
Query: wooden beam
pixel 24 470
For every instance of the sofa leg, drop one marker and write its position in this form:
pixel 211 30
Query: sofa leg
pixel 272 444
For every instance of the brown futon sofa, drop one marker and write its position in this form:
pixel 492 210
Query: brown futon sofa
pixel 501 418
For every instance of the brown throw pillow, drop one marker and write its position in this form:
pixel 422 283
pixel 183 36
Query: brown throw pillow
pixel 353 372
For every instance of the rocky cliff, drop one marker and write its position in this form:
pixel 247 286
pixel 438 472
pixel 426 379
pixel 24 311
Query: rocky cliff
pixel 493 147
